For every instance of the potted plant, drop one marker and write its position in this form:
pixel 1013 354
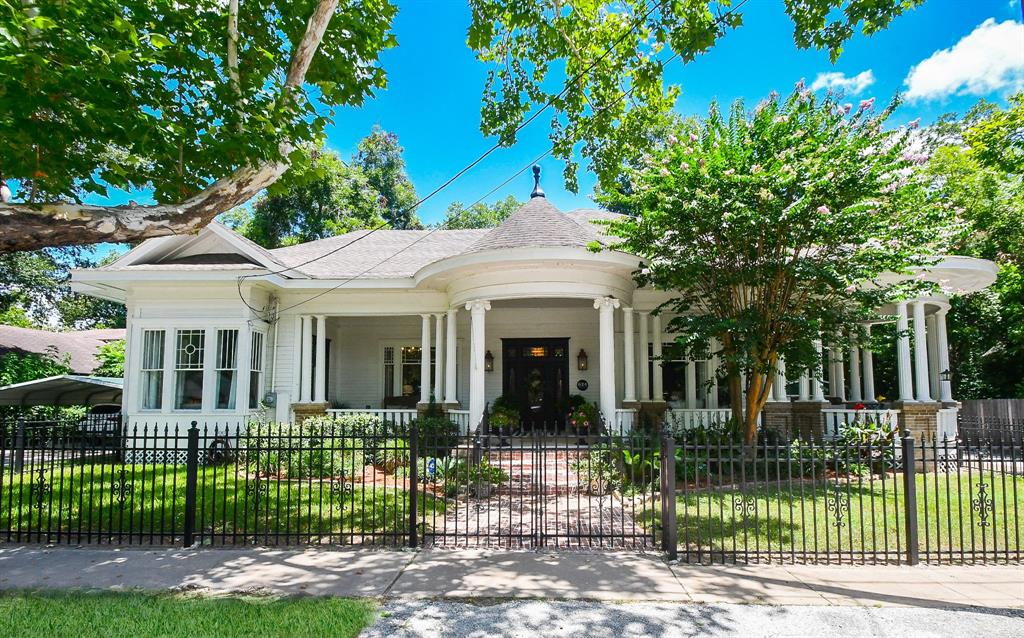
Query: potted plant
pixel 583 419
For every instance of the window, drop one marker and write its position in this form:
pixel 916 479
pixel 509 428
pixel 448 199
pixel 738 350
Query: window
pixel 674 374
pixel 227 368
pixel 256 370
pixel 402 376
pixel 188 368
pixel 411 358
pixel 389 371
pixel 152 386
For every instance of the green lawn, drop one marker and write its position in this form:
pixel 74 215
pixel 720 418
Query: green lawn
pixel 774 518
pixel 87 615
pixel 86 498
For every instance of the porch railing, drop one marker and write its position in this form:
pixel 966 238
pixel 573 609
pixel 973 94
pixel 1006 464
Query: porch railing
pixel 625 418
pixel 390 415
pixel 835 420
pixel 689 418
pixel 461 419
pixel 947 424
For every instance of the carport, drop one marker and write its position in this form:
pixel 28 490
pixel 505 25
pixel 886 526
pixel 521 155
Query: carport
pixel 63 390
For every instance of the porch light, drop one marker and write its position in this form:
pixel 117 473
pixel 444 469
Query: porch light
pixel 581 360
pixel 488 362
pixel 946 375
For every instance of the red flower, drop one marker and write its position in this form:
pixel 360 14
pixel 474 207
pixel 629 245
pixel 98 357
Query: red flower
pixel 859 406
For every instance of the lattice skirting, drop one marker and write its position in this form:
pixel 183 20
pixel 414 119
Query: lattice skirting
pixel 165 457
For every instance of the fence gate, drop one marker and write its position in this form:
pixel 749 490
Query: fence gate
pixel 548 491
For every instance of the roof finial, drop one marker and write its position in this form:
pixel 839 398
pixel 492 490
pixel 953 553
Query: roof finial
pixel 537 190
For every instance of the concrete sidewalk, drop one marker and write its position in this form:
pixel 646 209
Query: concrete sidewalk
pixel 486 574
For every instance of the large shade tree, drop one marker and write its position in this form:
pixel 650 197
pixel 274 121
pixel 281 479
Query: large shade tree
pixel 199 102
pixel 772 229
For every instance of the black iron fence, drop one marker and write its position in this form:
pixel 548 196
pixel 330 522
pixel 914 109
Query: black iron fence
pixel 991 429
pixel 356 480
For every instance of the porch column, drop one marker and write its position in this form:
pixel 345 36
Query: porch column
pixel 425 360
pixel 855 391
pixel 817 393
pixel 903 354
pixel 779 384
pixel 805 387
pixel 869 369
pixel 920 354
pixel 659 388
pixel 449 359
pixel 306 369
pixel 628 357
pixel 713 363
pixel 476 360
pixel 439 352
pixel 320 378
pixel 942 345
pixel 691 384
pixel 606 355
pixel 839 378
pixel 645 361
pixel 933 359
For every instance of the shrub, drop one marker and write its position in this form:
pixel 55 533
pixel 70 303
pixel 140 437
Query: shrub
pixel 392 454
pixel 437 435
pixel 311 449
pixel 469 475
pixel 597 470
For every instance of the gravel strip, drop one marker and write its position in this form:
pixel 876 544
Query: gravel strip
pixel 542 619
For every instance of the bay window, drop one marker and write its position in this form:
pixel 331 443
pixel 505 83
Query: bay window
pixel 188 369
pixel 152 367
pixel 226 369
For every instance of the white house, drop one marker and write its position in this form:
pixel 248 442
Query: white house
pixel 387 319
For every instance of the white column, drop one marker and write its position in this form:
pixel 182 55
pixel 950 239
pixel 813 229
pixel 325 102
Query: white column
pixel 659 388
pixel 645 361
pixel 779 383
pixel 933 359
pixel 942 346
pixel 477 348
pixel 920 354
pixel 839 381
pixel 816 390
pixel 903 353
pixel 439 353
pixel 306 371
pixel 320 378
pixel 855 391
pixel 869 369
pixel 425 359
pixel 606 355
pixel 805 387
pixel 712 401
pixel 449 360
pixel 628 357
pixel 691 384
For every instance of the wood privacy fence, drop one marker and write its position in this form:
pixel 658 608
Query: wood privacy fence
pixel 1008 409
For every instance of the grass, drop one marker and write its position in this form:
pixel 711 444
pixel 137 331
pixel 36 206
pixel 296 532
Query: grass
pixel 88 615
pixel 781 519
pixel 86 498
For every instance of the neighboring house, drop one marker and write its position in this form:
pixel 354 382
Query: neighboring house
pixel 79 347
pixel 389 319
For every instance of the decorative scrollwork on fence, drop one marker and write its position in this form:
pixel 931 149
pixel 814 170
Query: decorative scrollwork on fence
pixel 745 504
pixel 38 490
pixel 983 505
pixel 122 488
pixel 340 490
pixel 257 490
pixel 837 502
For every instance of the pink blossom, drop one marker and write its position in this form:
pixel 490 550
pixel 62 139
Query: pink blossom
pixel 847 107
pixel 672 139
pixel 755 169
pixel 665 172
pixel 823 210
pixel 851 288
pixel 684 166
pixel 800 85
pixel 693 137
pixel 866 104
pixel 780 119
pixel 914 123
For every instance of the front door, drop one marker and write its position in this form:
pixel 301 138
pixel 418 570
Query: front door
pixel 535 375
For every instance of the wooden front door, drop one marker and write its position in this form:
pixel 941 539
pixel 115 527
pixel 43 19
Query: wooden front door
pixel 535 374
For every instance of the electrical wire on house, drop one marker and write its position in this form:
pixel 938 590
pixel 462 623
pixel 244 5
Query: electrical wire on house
pixel 459 174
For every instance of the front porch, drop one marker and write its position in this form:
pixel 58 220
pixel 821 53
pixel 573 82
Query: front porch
pixel 542 350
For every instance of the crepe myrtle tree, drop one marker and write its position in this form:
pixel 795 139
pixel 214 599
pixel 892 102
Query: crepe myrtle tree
pixel 199 102
pixel 777 227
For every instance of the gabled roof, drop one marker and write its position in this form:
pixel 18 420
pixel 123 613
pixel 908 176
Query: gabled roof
pixel 80 346
pixel 215 247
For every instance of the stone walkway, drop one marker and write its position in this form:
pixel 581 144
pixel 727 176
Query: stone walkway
pixel 543 504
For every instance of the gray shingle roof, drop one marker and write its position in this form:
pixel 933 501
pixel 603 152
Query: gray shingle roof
pixel 536 223
pixel 79 346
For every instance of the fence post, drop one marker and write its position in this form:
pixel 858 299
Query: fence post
pixel 191 480
pixel 19 446
pixel 910 496
pixel 414 453
pixel 669 524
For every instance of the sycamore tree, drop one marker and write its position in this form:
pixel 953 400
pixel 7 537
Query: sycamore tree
pixel 198 102
pixel 775 228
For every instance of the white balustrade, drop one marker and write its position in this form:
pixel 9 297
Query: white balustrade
pixel 461 419
pixel 835 420
pixel 686 419
pixel 624 420
pixel 390 415
pixel 947 424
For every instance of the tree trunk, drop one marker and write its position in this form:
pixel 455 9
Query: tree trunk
pixel 35 226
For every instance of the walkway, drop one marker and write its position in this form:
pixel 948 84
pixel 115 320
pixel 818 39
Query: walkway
pixel 484 574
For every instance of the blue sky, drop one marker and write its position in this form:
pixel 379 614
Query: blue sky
pixel 433 98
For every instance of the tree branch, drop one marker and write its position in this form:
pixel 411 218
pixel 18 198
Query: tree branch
pixel 31 227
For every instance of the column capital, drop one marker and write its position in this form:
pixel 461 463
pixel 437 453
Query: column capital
pixel 606 303
pixel 627 309
pixel 479 305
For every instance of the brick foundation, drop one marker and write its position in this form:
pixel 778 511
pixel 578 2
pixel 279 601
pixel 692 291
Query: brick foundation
pixel 808 422
pixel 778 416
pixel 920 419
pixel 303 411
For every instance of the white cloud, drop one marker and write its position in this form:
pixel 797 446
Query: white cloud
pixel 852 86
pixel 988 59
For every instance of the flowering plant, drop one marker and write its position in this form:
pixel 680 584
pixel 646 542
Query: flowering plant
pixel 583 417
pixel 859 406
